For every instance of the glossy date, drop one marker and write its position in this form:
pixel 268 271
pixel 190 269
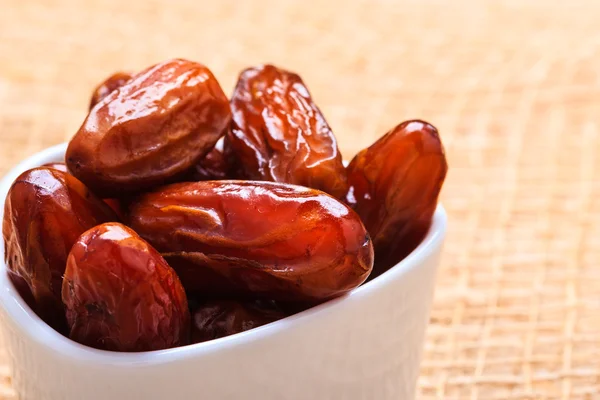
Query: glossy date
pixel 256 239
pixel 153 129
pixel 279 134
pixel 117 205
pixel 394 187
pixel 45 212
pixel 121 295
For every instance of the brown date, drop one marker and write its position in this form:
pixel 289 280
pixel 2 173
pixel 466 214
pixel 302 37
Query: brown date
pixel 278 133
pixel 220 318
pixel 45 212
pixel 110 84
pixel 153 129
pixel 394 187
pixel 117 205
pixel 121 295
pixel 214 166
pixel 256 239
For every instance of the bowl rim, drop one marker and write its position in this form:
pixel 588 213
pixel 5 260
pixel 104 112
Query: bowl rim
pixel 38 331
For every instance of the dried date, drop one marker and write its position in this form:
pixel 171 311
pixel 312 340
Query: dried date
pixel 394 187
pixel 45 212
pixel 117 205
pixel 278 133
pixel 121 295
pixel 153 129
pixel 256 239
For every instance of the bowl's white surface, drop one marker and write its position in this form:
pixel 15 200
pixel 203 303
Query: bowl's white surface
pixel 365 345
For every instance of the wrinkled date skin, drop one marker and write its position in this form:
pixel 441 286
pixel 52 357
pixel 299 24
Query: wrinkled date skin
pixel 220 318
pixel 45 212
pixel 279 134
pixel 256 239
pixel 109 85
pixel 214 166
pixel 394 187
pixel 121 295
pixel 151 130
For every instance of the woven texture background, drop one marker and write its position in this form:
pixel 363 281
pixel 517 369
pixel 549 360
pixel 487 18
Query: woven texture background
pixel 513 86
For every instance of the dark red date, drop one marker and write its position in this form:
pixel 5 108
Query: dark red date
pixel 121 295
pixel 279 134
pixel 117 205
pixel 45 212
pixel 256 239
pixel 151 130
pixel 394 187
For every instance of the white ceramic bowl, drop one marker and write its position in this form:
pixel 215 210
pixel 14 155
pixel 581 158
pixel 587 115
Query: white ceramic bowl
pixel 365 345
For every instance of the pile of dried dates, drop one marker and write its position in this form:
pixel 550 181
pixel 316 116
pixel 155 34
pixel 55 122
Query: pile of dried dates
pixel 180 216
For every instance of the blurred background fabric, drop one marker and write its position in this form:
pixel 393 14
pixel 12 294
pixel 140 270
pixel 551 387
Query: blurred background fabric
pixel 513 87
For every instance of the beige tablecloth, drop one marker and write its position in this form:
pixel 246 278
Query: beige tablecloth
pixel 513 86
